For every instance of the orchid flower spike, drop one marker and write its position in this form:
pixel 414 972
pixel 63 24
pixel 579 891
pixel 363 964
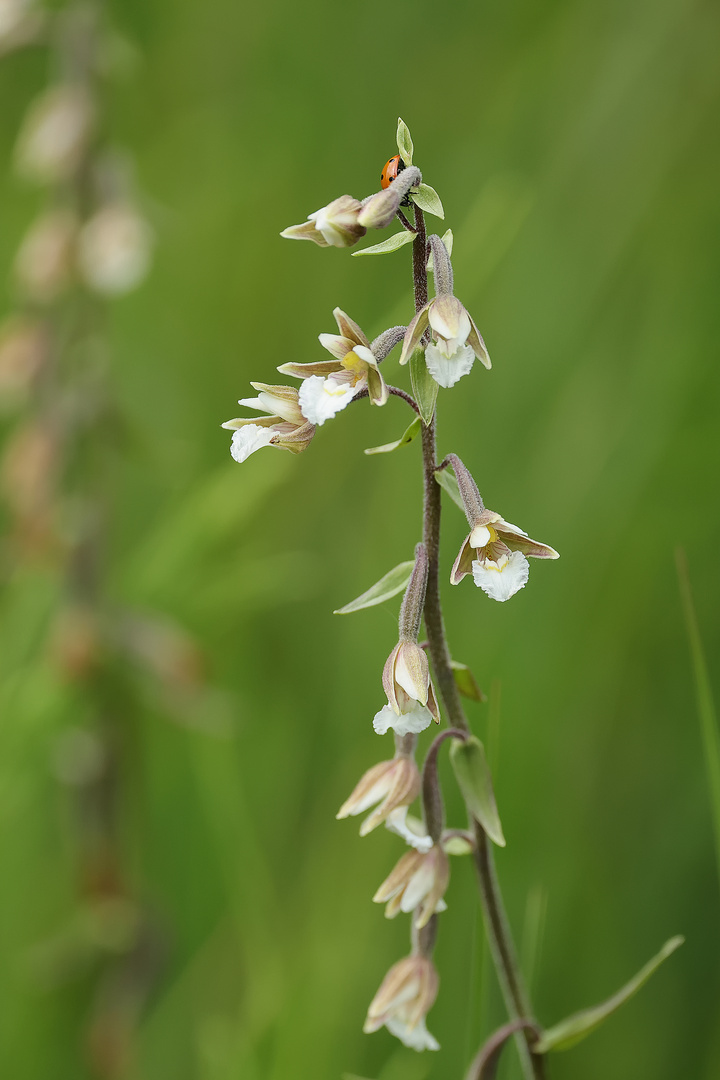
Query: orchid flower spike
pixel 285 426
pixel 406 995
pixel 334 225
pixel 330 385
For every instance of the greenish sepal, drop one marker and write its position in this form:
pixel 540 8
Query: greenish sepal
pixel 472 773
pixel 428 200
pixel 393 243
pixel 571 1030
pixel 405 438
pixel 448 483
pixel 466 682
pixel 404 142
pixel 424 387
pixel 457 846
pixel 392 583
pixel 447 239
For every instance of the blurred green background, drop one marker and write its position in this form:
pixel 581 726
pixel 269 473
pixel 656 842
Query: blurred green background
pixel 574 145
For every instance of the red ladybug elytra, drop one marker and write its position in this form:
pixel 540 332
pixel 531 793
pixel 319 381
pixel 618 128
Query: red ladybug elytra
pixel 392 167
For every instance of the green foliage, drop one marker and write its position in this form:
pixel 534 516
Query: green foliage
pixel 575 149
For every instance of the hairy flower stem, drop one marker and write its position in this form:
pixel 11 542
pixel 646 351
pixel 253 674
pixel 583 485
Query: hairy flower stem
pixel 496 924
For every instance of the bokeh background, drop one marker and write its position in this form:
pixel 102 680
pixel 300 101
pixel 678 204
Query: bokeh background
pixel 574 146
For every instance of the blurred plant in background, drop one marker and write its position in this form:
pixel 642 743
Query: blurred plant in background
pixel 579 170
pixel 89 243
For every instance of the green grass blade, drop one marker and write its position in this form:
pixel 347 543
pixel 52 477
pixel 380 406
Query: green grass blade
pixel 703 690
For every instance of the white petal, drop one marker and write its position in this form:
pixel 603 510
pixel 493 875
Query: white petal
pixel 415 720
pixel 397 822
pixel 440 906
pixel 374 795
pixel 501 584
pixel 249 439
pixel 417 1038
pixel 417 887
pixel 446 371
pixel 320 399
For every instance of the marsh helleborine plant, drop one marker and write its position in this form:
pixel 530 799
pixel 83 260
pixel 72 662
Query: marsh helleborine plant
pixel 440 343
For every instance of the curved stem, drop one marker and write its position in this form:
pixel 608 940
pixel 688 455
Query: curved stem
pixel 496 923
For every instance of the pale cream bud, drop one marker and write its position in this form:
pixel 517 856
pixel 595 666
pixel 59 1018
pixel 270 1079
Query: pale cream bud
pixel 114 249
pixel 55 134
pixel 44 263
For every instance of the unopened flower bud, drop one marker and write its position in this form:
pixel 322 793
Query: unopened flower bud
pixel 55 134
pixel 406 995
pixel 76 642
pixel 44 263
pixel 19 23
pixel 23 351
pixel 418 884
pixel 379 210
pixel 394 785
pixel 114 249
pixel 334 225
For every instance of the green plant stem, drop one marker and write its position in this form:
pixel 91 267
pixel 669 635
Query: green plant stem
pixel 496 923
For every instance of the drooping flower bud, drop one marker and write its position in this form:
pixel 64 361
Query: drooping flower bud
pixel 406 995
pixel 334 225
pixel 394 785
pixel 411 703
pixel 55 134
pixel 379 210
pixel 114 249
pixel 45 261
pixel 417 883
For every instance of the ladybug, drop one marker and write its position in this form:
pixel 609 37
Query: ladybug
pixel 392 168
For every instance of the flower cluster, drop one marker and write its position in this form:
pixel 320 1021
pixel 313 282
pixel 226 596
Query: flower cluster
pixel 440 343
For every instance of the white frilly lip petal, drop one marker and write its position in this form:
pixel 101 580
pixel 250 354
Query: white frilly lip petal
pixel 416 1038
pixel 396 822
pixel 412 722
pixel 446 371
pixel 249 439
pixel 320 399
pixel 504 583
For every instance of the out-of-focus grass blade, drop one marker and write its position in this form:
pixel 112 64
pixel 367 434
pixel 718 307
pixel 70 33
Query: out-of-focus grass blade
pixel 533 931
pixel 703 690
pixel 388 586
pixel 575 1028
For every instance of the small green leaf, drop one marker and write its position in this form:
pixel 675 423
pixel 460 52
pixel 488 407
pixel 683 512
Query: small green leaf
pixel 404 439
pixel 424 387
pixel 404 142
pixel 428 200
pixel 447 239
pixel 448 483
pixel 397 240
pixel 472 773
pixel 465 681
pixel 576 1027
pixel 390 585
